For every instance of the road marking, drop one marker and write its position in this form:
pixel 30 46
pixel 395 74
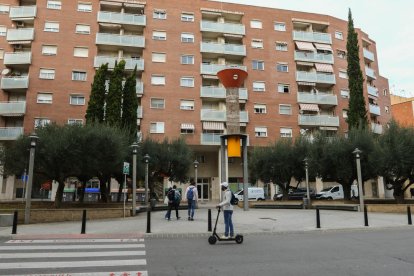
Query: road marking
pixel 117 263
pixel 108 273
pixel 79 246
pixel 19 255
pixel 74 241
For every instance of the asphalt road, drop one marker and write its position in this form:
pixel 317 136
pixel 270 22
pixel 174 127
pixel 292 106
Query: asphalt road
pixel 372 252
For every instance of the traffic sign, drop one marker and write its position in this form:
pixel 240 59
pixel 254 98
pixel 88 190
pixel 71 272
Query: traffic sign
pixel 126 168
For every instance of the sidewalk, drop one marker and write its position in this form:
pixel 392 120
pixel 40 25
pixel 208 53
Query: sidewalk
pixel 245 222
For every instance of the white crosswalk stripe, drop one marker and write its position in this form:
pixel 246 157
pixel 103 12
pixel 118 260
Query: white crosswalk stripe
pixel 77 257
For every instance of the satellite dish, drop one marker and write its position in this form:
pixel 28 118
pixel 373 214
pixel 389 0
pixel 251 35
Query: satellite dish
pixel 5 72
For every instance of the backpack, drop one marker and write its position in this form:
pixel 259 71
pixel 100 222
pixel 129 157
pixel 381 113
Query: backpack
pixel 233 200
pixel 171 195
pixel 177 197
pixel 190 193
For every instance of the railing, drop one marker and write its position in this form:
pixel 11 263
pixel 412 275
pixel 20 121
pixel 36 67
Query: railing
pixel 226 49
pixel 20 34
pixel 369 55
pixel 122 18
pixel 12 108
pixel 213 115
pixel 22 12
pixel 210 138
pixel 136 41
pixel 314 57
pixel 10 133
pixel 376 128
pixel 140 88
pixel 318 120
pixel 212 69
pixel 328 99
pixel 17 58
pixel 220 92
pixel 315 77
pixel 370 72
pixel 227 28
pixel 15 82
pixel 130 63
pixel 139 112
pixel 374 109
pixel 373 91
pixel 312 37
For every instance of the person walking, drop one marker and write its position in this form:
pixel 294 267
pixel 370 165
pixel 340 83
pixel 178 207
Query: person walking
pixel 174 198
pixel 191 194
pixel 227 211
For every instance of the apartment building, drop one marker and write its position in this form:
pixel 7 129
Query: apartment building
pixel 296 63
pixel 403 110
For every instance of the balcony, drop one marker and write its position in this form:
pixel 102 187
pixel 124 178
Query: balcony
pixel 374 109
pixel 139 112
pixel 220 93
pixel 22 12
pixel 244 116
pixel 212 69
pixel 370 73
pixel 10 133
pixel 226 28
pixel 135 41
pixel 210 138
pixel 312 37
pixel 18 58
pixel 315 77
pixel 14 82
pixel 221 116
pixel 140 88
pixel 223 49
pixel 318 120
pixel 369 55
pixel 122 18
pixel 376 128
pixel 130 63
pixel 373 91
pixel 321 98
pixel 314 57
pixel 12 108
pixel 16 35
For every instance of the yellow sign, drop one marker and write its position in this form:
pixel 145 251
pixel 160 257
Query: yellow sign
pixel 233 146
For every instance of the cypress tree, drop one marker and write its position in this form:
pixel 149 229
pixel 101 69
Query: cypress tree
pixel 130 104
pixel 357 113
pixel 96 105
pixel 114 98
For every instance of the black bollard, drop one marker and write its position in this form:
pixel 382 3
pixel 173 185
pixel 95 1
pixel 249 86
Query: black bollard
pixel 83 222
pixel 14 229
pixel 318 220
pixel 209 221
pixel 148 220
pixel 366 215
pixel 409 215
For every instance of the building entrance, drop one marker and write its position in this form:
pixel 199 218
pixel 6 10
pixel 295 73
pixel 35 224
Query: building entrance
pixel 203 188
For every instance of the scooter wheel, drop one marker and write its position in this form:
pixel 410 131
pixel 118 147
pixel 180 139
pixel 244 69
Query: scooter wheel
pixel 212 240
pixel 239 239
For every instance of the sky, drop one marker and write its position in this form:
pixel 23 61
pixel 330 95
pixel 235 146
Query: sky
pixel 387 22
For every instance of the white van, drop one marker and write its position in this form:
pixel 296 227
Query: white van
pixel 253 193
pixel 335 192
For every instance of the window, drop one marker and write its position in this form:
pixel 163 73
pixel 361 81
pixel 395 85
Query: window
pixel 260 131
pixel 187 59
pixel 387 109
pixel 256 24
pixel 157 127
pixel 282 67
pixel 159 57
pixel 48 74
pixel 187 82
pixel 187 38
pixel 260 108
pixel 83 29
pixel 341 54
pixel 3 30
pixel 345 93
pixel 41 122
pixel 285 109
pixel 187 104
pixel 286 132
pixel 49 50
pixel 187 128
pixel 4 9
pixel 257 43
pixel 75 121
pixel 78 76
pixel 280 26
pixel 84 7
pixel 1 53
pixel 187 17
pixel 54 4
pixel 157 80
pixel 385 92
pixel 344 113
pixel 283 88
pixel 259 86
pixel 51 27
pixel 159 14
pixel 281 46
pixel 157 103
pixel 80 52
pixel 339 35
pixel 159 35
pixel 343 74
pixel 44 98
pixel 258 65
pixel 77 100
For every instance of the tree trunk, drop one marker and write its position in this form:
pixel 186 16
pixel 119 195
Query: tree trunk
pixel 59 193
pixel 104 188
pixel 347 190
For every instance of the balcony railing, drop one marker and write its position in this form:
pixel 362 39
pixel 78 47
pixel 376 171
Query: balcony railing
pixel 13 58
pixel 220 92
pixel 370 73
pixel 225 49
pixel 20 12
pixel 374 109
pixel 20 34
pixel 212 69
pixel 227 28
pixel 373 91
pixel 221 116
pixel 10 133
pixel 135 41
pixel 244 116
pixel 327 99
pixel 122 18
pixel 314 57
pixel 130 63
pixel 139 112
pixel 312 37
pixel 369 55
pixel 210 138
pixel 318 120
pixel 376 128
pixel 140 88
pixel 12 108
pixel 315 77
pixel 21 82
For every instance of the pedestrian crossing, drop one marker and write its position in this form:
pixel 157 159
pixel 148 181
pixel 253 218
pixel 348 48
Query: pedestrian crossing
pixel 74 257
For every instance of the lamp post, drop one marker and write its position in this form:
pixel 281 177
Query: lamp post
pixel 307 181
pixel 195 171
pixel 134 147
pixel 33 141
pixel 357 153
pixel 146 161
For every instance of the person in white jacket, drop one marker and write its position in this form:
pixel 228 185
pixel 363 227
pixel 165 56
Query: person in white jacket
pixel 191 195
pixel 227 211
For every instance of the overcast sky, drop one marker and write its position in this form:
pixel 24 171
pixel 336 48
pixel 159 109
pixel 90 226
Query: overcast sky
pixel 388 22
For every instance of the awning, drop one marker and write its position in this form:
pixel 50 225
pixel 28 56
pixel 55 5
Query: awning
pixel 303 63
pixel 213 125
pixel 212 77
pixel 233 35
pixel 20 42
pixel 187 126
pixel 305 46
pixel 282 42
pixel 306 83
pixel 328 128
pixel 309 107
pixel 110 3
pixel 324 67
pixel 323 47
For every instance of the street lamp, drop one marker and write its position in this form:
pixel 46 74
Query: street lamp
pixel 195 170
pixel 357 153
pixel 33 141
pixel 307 181
pixel 146 161
pixel 134 147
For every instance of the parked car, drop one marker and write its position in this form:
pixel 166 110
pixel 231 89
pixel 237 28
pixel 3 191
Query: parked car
pixel 253 193
pixel 330 193
pixel 300 193
pixel 277 197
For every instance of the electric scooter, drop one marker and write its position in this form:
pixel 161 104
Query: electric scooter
pixel 214 237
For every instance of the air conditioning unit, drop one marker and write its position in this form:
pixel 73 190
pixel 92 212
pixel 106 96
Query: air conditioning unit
pixel 18 46
pixel 20 24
